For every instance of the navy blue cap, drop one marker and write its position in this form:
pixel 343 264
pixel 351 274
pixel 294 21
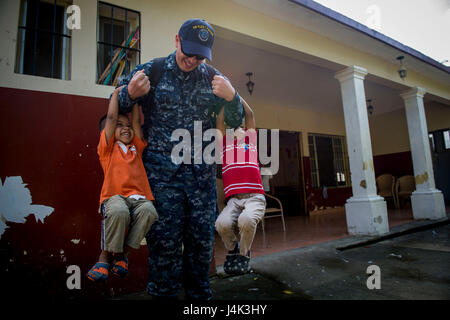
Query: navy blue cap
pixel 197 37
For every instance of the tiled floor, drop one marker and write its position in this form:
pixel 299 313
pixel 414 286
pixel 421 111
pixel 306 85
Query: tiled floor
pixel 302 231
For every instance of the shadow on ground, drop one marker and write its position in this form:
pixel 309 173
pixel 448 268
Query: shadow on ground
pixel 252 286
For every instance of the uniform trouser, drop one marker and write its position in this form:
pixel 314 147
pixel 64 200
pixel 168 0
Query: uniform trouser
pixel 121 214
pixel 186 217
pixel 238 221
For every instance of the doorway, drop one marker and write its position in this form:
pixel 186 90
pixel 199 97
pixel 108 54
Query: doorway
pixel 288 185
pixel 440 154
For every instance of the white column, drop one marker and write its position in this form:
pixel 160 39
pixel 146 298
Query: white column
pixel 366 212
pixel 427 202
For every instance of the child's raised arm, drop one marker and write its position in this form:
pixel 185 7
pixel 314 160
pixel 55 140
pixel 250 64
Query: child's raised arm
pixel 113 113
pixel 136 121
pixel 220 121
pixel 249 117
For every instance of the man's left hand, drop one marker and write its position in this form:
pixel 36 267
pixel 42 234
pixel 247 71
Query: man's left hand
pixel 223 88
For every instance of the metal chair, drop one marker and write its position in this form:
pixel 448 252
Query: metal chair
pixel 273 213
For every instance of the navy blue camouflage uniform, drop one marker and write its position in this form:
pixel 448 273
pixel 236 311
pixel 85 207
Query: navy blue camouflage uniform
pixel 185 194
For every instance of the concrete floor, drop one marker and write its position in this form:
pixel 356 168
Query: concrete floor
pixel 413 259
pixel 303 231
pixel 415 266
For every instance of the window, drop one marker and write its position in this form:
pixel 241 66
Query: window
pixel 447 139
pixel 431 139
pixel 439 141
pixel 329 161
pixel 43 39
pixel 118 43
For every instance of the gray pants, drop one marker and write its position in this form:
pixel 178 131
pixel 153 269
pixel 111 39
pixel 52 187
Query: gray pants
pixel 121 213
pixel 238 220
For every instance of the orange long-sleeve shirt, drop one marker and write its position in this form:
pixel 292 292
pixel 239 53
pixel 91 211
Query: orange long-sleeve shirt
pixel 124 171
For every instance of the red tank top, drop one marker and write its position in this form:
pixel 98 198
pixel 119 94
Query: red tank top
pixel 240 169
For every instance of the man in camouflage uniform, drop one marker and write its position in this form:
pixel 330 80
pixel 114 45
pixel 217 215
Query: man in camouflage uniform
pixel 185 194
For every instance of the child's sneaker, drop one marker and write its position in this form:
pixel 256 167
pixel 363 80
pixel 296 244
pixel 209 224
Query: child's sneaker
pixel 120 266
pixel 235 263
pixel 99 272
pixel 242 264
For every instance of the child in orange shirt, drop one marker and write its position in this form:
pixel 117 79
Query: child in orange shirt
pixel 126 197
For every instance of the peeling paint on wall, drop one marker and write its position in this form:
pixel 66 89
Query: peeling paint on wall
pixel 15 203
pixel 367 165
pixel 421 178
pixel 363 184
pixel 378 219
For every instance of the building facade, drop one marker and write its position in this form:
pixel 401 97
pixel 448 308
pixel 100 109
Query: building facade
pixel 314 72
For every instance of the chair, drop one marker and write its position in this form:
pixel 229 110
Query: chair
pixel 385 187
pixel 273 213
pixel 404 187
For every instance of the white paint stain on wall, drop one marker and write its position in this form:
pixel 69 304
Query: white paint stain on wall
pixel 15 203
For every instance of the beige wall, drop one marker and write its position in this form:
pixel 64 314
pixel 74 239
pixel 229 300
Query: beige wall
pixel 389 131
pixel 438 116
pixel 84 48
pixel 295 119
pixel 160 22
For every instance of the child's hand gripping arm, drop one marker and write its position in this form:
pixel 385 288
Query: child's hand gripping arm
pixel 249 117
pixel 136 122
pixel 113 112
pixel 220 121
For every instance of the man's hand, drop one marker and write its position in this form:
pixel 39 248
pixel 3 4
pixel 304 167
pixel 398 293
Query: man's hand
pixel 139 85
pixel 223 88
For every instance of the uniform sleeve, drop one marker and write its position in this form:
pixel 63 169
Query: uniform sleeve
pixel 234 111
pixel 125 102
pixel 104 149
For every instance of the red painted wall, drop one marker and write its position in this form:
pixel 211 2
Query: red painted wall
pixel 336 196
pixel 50 140
pixel 397 164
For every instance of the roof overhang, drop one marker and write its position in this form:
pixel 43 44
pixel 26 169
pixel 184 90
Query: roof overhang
pixel 336 16
pixel 316 18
